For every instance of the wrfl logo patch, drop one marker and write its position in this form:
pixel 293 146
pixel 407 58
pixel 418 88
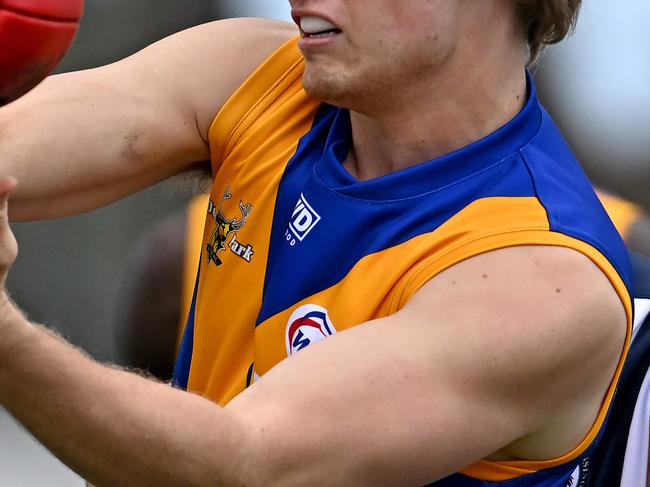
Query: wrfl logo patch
pixel 307 325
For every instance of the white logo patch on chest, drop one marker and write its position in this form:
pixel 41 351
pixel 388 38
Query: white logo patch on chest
pixel 303 221
pixel 307 325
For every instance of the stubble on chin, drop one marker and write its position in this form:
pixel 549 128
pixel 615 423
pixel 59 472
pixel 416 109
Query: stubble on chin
pixel 322 85
pixel 333 88
pixel 368 92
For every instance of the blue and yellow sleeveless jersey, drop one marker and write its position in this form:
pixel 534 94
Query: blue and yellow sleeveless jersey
pixel 295 249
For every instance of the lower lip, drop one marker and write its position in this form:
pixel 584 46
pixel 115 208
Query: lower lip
pixel 312 42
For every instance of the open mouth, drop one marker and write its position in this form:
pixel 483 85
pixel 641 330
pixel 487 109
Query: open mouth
pixel 317 28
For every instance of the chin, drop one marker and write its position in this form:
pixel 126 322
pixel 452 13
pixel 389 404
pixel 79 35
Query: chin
pixel 332 88
pixel 361 91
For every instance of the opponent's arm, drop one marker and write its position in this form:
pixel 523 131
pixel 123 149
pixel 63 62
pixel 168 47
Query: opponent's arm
pixel 84 139
pixel 487 358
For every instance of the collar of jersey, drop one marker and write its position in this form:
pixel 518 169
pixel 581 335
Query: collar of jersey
pixel 432 175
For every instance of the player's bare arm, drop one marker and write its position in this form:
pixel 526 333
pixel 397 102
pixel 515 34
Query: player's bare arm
pixel 81 140
pixel 390 402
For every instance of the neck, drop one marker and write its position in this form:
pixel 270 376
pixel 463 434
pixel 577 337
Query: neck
pixel 457 106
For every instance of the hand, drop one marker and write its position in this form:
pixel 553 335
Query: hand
pixel 8 244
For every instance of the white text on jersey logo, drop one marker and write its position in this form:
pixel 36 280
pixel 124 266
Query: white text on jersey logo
pixel 303 221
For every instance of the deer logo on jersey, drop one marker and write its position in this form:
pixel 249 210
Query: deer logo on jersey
pixel 225 227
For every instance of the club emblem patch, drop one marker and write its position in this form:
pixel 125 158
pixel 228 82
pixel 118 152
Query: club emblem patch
pixel 308 324
pixel 228 228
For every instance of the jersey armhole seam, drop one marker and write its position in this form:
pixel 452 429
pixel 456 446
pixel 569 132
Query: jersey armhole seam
pixel 401 296
pixel 224 138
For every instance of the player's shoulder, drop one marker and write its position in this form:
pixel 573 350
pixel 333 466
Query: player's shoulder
pixel 581 295
pixel 204 65
pixel 553 296
pixel 556 324
pixel 544 281
pixel 230 51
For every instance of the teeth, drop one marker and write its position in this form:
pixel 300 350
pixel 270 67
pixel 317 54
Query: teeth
pixel 314 25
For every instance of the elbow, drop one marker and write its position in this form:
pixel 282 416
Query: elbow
pixel 278 458
pixel 264 459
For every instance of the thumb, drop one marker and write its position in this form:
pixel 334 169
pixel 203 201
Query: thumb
pixel 8 245
pixel 7 185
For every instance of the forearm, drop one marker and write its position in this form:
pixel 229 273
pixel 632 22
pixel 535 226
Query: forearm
pixel 111 426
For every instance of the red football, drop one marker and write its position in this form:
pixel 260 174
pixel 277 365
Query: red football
pixel 34 36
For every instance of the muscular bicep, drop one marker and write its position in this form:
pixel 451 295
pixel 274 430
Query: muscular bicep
pixel 203 66
pixel 84 139
pixel 469 368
